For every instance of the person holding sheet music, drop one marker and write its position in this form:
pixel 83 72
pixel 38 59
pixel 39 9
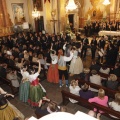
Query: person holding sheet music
pixel 110 55
pixel 100 55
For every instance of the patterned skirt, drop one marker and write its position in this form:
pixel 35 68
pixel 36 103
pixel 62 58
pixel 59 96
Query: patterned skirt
pixel 53 74
pixel 24 91
pixel 9 112
pixel 36 93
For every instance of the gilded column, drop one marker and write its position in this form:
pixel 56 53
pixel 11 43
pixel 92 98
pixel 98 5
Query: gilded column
pixel 81 15
pixel 6 15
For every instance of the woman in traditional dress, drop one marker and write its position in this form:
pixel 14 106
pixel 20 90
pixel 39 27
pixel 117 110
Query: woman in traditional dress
pixel 76 65
pixel 24 85
pixel 37 92
pixel 7 110
pixel 53 75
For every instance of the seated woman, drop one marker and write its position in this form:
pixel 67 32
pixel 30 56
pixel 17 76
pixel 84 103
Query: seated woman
pixel 52 107
pixel 85 75
pixel 26 55
pixel 116 70
pixel 93 114
pixel 85 92
pixel 96 79
pixel 112 82
pixel 42 61
pixel 7 110
pixel 104 69
pixel 94 66
pixel 100 99
pixel 12 76
pixel 74 89
pixel 115 105
pixel 20 63
pixel 34 58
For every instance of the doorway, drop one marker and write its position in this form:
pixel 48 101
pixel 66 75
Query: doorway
pixel 71 20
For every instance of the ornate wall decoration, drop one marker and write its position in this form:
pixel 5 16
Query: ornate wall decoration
pixel 5 21
pixel 18 13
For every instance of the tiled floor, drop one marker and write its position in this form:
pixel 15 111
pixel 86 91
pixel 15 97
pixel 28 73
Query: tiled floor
pixel 54 93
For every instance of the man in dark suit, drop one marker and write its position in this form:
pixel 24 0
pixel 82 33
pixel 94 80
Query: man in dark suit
pixel 117 43
pixel 101 43
pixel 93 47
pixel 85 44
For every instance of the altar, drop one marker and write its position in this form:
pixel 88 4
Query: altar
pixel 110 33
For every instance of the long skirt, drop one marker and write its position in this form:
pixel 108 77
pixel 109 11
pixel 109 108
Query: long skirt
pixel 36 93
pixel 24 91
pixel 53 74
pixel 9 112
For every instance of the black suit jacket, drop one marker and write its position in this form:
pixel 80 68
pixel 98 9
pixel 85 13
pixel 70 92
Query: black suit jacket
pixel 93 44
pixel 102 43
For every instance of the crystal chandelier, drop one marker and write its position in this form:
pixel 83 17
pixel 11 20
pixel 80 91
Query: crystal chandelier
pixel 71 5
pixel 106 2
pixel 35 13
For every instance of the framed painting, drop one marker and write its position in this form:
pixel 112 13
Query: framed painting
pixel 18 13
pixel 38 4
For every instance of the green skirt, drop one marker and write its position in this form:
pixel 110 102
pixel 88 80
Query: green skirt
pixel 24 91
pixel 36 93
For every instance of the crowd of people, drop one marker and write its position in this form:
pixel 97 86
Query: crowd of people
pixel 93 27
pixel 55 53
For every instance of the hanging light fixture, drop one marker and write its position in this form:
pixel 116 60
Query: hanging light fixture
pixel 35 13
pixel 71 5
pixel 106 2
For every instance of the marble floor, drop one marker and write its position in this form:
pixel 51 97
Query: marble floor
pixel 54 93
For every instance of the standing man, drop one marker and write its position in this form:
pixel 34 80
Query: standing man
pixel 101 43
pixel 93 47
pixel 84 47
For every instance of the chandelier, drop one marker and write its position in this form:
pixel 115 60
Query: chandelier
pixel 71 5
pixel 106 2
pixel 35 13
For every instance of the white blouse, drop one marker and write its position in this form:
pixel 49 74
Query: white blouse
pixel 33 77
pixel 54 59
pixel 74 91
pixel 25 74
